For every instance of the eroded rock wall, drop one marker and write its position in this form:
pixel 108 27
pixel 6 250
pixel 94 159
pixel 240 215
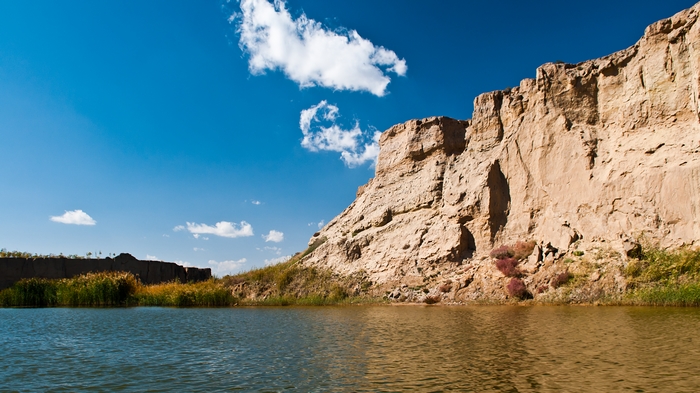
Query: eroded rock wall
pixel 148 272
pixel 585 156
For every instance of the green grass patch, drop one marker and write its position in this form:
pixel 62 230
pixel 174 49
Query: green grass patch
pixel 669 295
pixel 664 277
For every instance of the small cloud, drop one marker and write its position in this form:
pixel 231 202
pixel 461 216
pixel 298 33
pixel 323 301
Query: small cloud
pixel 321 224
pixel 152 258
pixel 75 217
pixel 276 250
pixel 309 53
pixel 198 249
pixel 164 235
pixel 274 261
pixel 222 228
pixel 226 267
pixel 179 228
pixel 274 236
pixel 255 202
pixel 354 145
pixel 196 235
pixel 184 263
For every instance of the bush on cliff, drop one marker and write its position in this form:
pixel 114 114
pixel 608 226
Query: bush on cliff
pixel 516 288
pixel 508 266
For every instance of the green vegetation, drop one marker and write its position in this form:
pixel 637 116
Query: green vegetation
pixel 92 289
pixel 174 294
pixel 664 278
pixel 290 283
pixel 283 284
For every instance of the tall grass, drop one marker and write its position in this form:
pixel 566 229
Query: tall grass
pixel 110 289
pixel 664 277
pixel 92 289
pixel 175 294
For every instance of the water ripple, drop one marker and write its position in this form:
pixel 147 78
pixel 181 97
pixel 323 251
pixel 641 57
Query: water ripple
pixel 351 349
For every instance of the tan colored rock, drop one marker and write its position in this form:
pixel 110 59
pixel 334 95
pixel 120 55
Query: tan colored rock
pixel 595 153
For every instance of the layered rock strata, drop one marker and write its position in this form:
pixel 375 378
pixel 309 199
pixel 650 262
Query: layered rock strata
pixel 585 157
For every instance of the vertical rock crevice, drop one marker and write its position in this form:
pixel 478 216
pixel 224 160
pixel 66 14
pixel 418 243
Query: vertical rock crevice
pixel 499 199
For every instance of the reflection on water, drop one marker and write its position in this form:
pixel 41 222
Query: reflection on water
pixel 326 349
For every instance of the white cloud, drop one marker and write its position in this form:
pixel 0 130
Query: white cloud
pixel 355 146
pixel 75 217
pixel 179 228
pixel 254 202
pixel 274 261
pixel 222 228
pixel 310 54
pixel 196 235
pixel 198 249
pixel 164 235
pixel 226 267
pixel 276 250
pixel 152 258
pixel 274 236
pixel 321 224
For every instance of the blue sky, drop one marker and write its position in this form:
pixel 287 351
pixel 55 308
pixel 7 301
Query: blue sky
pixel 222 134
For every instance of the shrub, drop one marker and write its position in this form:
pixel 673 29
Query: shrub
pixel 432 299
pixel 560 279
pixel 502 252
pixel 508 266
pixel 522 250
pixel 516 288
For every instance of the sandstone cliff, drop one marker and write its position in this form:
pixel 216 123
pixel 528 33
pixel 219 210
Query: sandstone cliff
pixel 582 158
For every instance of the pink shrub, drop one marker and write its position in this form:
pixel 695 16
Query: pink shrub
pixel 516 288
pixel 508 266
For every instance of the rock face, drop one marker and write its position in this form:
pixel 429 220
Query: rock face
pixel 585 156
pixel 148 272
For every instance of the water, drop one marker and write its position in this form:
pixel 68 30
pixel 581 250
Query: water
pixel 351 349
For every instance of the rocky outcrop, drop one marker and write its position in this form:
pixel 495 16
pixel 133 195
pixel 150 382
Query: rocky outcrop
pixel 586 157
pixel 148 272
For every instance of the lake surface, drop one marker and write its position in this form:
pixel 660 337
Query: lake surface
pixel 351 349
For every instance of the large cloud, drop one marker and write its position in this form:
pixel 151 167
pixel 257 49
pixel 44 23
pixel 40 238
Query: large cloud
pixel 75 217
pixel 355 146
pixel 310 54
pixel 222 228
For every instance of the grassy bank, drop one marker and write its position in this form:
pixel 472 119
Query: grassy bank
pixel 278 285
pixel 112 289
pixel 658 277
pixel 289 283
pixel 664 278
